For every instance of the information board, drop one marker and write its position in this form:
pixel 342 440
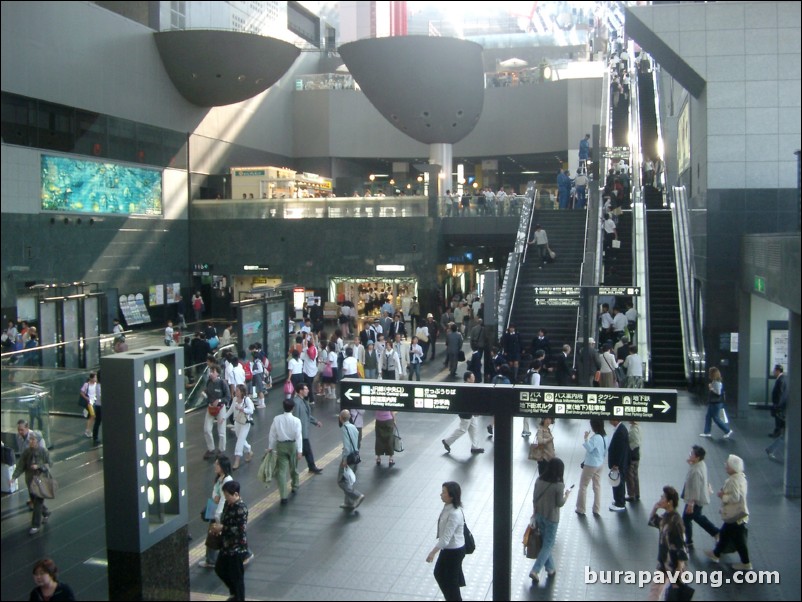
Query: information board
pixel 645 405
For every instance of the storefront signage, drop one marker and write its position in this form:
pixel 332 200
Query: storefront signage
pixel 250 172
pixel 256 268
pixel 647 405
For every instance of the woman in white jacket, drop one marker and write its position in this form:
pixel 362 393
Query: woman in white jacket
pixel 735 514
pixel 242 408
pixel 390 363
pixel 450 543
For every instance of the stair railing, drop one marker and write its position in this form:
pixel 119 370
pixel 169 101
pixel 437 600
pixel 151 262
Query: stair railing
pixel 688 289
pixel 640 241
pixel 510 285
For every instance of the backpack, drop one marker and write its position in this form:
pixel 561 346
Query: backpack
pixel 246 366
pixel 197 303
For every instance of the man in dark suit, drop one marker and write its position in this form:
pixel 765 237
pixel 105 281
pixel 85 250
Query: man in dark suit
pixel 618 459
pixel 779 399
pixel 564 367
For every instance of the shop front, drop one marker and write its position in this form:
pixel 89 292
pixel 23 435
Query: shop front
pixel 367 294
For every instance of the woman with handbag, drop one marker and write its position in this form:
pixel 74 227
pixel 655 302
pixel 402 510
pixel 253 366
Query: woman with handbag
pixel 735 514
pixel 595 445
pixel 34 462
pixel 234 546
pixel 671 552
pixel 450 543
pixel 330 371
pixel 222 475
pixel 547 499
pixel 542 450
pixel 385 428
pixel 608 366
pixel 295 368
pixel 715 403
pixel 242 409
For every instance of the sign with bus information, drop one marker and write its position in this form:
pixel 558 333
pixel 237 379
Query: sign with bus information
pixel 644 405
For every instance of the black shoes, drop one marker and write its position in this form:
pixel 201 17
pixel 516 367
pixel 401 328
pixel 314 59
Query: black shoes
pixel 477 450
pixel 447 446
pixel 316 470
pixel 490 429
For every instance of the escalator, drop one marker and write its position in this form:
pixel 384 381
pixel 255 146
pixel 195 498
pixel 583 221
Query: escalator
pixel 665 323
pixel 618 262
pixel 566 232
pixel 648 135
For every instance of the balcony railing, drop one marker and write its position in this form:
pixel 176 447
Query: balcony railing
pixel 338 207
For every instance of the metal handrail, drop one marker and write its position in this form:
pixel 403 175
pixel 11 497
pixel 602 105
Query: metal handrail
pixel 510 285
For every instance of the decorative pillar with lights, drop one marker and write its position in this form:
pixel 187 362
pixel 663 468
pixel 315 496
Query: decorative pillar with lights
pixel 144 468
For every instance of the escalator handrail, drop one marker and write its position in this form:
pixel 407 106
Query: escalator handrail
pixel 510 285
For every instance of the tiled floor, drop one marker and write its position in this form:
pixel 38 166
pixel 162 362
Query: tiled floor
pixel 312 550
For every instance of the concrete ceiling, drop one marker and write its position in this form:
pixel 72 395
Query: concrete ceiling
pixel 430 88
pixel 214 68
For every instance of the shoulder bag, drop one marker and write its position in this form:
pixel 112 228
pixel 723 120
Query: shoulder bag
pixel 470 542
pixel 353 458
pixel 398 444
pixel 533 538
pixel 43 486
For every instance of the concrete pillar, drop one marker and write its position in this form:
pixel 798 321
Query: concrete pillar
pixel 442 154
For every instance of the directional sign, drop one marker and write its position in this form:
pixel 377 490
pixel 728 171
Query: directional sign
pixel 619 291
pixel 558 301
pixel 558 291
pixel 568 290
pixel 645 405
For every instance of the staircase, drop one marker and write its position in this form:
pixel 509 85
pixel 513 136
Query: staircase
pixel 668 365
pixel 618 262
pixel 566 232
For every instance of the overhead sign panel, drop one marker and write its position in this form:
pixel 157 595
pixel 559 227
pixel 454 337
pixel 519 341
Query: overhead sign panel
pixel 645 405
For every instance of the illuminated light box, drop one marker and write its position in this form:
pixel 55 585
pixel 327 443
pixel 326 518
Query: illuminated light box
pixel 82 186
pixel 143 460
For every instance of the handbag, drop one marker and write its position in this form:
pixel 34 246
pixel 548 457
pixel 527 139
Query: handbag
pixel 289 388
pixel 722 415
pixel 620 375
pixel 353 458
pixel 552 254
pixel 398 444
pixel 616 243
pixel 533 541
pixel 43 486
pixel 214 410
pixel 681 593
pixel 470 542
pixel 327 371
pixel 208 513
pixel 597 376
pixel 214 538
pixel 461 356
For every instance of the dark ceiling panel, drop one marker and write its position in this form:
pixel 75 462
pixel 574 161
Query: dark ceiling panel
pixel 430 88
pixel 216 68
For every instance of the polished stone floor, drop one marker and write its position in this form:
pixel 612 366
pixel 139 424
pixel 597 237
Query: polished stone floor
pixel 312 550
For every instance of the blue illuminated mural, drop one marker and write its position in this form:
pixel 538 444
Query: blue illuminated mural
pixel 94 187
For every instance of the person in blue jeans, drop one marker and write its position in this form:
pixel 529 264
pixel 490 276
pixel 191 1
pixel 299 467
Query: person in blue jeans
pixel 548 498
pixel 715 403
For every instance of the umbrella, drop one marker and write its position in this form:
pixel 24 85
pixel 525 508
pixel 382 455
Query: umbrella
pixel 513 63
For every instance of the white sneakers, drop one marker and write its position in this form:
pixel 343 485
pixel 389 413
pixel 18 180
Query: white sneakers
pixel 729 434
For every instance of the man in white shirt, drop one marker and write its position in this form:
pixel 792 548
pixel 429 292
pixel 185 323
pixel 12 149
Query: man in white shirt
pixel 632 320
pixel 237 373
pixel 285 438
pixel 619 323
pixel 606 320
pixel 540 239
pixel 634 367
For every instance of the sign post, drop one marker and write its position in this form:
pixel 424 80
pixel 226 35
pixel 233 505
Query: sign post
pixel 505 402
